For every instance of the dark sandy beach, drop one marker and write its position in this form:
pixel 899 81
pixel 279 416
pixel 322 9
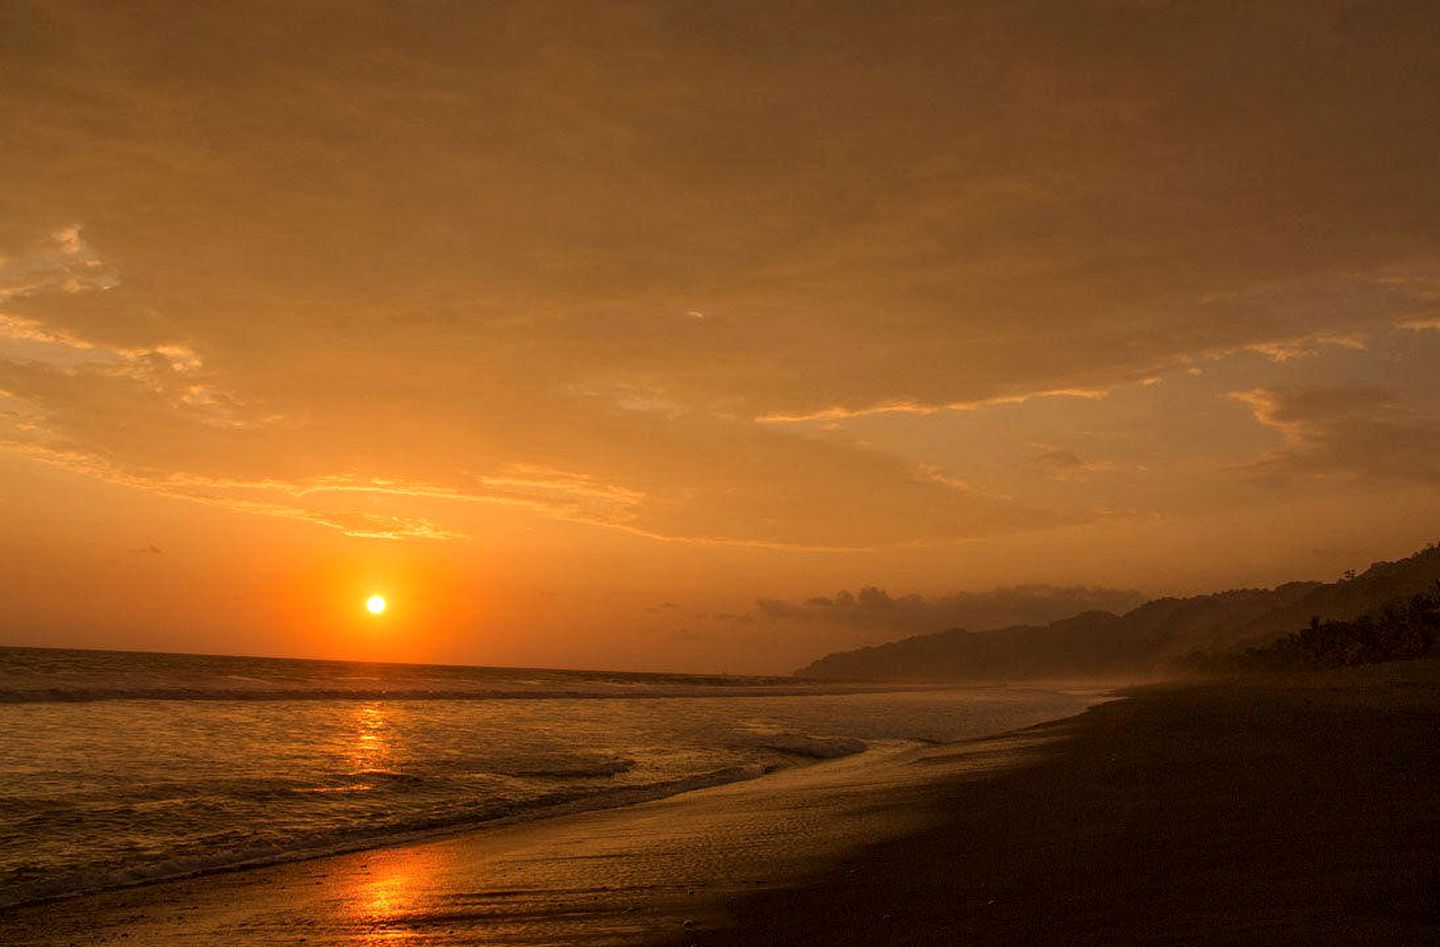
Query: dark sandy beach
pixel 1295 811
pixel 1288 810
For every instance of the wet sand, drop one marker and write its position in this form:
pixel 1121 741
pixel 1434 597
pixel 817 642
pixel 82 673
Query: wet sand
pixel 1251 812
pixel 1303 810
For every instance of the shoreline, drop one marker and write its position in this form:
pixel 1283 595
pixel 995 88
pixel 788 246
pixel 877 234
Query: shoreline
pixel 1272 809
pixel 1291 809
pixel 791 753
pixel 563 864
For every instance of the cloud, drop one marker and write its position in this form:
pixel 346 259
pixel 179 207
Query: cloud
pixel 911 270
pixel 262 498
pixel 1356 433
pixel 1283 350
pixel 835 413
pixel 30 341
pixel 481 255
pixel 1278 350
pixel 63 261
pixel 1059 463
pixel 329 500
pixel 68 265
pixel 874 608
pixel 157 417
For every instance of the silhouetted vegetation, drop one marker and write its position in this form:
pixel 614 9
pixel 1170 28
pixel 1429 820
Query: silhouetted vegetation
pixel 1400 632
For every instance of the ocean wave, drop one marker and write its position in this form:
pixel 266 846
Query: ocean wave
pixel 570 769
pixel 23 885
pixel 818 748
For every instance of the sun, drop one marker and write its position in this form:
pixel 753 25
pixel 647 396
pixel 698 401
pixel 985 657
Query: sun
pixel 375 604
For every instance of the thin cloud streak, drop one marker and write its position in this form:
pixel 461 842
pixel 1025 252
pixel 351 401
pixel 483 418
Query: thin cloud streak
pixel 205 490
pixel 837 412
pixel 1278 350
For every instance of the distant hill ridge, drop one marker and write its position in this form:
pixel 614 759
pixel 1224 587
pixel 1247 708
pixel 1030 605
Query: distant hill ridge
pixel 1152 637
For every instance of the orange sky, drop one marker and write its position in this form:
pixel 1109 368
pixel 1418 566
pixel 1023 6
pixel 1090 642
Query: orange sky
pixel 578 329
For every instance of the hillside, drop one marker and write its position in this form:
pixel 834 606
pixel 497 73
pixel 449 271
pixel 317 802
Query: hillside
pixel 1402 631
pixel 1149 638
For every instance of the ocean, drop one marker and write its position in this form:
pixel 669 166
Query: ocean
pixel 118 767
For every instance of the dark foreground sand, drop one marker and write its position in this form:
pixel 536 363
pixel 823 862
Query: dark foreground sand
pixel 1299 810
pixel 1269 812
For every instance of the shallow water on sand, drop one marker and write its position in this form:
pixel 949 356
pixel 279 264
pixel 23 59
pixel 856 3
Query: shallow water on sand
pixel 119 767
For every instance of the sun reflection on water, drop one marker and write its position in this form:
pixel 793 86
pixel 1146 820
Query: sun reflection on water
pixel 371 749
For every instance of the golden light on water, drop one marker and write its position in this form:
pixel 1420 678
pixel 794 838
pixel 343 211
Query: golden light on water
pixel 375 605
pixel 370 747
